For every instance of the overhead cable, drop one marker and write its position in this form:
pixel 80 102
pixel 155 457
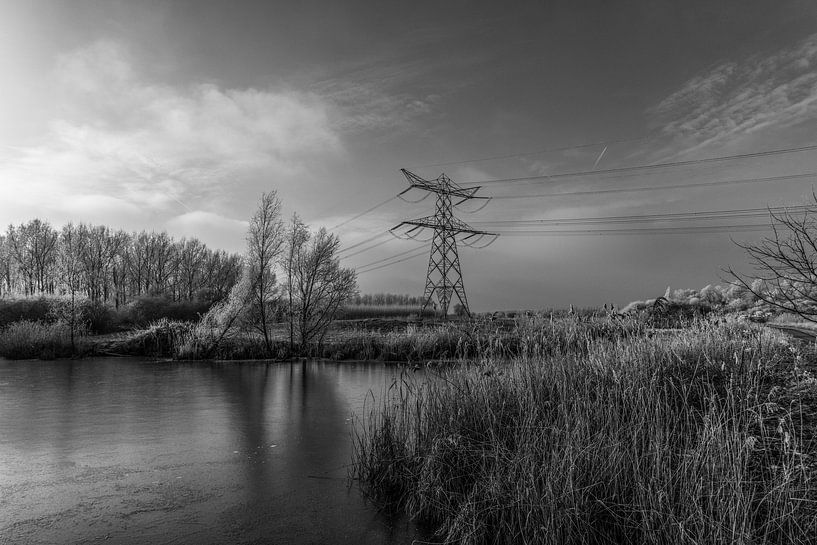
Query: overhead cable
pixel 785 178
pixel 537 152
pixel 640 231
pixel 367 211
pixel 637 218
pixel 421 252
pixel 653 166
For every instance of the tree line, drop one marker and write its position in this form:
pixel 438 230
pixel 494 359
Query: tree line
pixel 111 266
pixel 288 273
pixel 386 299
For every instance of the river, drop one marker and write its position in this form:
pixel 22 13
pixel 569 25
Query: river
pixel 133 451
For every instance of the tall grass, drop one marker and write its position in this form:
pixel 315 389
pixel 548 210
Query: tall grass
pixel 689 438
pixel 28 340
pixel 480 339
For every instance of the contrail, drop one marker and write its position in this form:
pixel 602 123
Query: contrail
pixel 600 156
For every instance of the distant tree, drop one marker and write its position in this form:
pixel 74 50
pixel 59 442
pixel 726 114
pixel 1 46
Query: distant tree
pixel 785 263
pixel 319 286
pixel 265 241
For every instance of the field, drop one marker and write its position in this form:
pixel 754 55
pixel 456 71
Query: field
pixel 604 431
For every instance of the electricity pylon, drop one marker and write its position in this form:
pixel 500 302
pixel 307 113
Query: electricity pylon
pixel 444 277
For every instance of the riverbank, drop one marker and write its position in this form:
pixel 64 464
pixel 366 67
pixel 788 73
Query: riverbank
pixel 391 340
pixel 706 434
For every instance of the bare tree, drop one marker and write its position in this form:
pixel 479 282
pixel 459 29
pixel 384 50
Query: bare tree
pixel 69 265
pixel 319 286
pixel 297 235
pixel 264 245
pixel 192 255
pixel 33 247
pixel 785 263
pixel 5 267
pixel 98 252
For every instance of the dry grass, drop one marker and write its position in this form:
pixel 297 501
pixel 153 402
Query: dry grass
pixel 604 436
pixel 28 340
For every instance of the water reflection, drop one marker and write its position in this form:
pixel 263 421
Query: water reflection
pixel 190 453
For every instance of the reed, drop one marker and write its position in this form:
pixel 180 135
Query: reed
pixel 29 339
pixel 597 434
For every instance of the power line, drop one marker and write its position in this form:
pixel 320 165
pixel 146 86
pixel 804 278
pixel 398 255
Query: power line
pixel 422 252
pixel 526 153
pixel 654 166
pixel 372 247
pixel 641 231
pixel 790 177
pixel 637 218
pixel 362 242
pixel 367 211
pixel 545 177
pixel 378 261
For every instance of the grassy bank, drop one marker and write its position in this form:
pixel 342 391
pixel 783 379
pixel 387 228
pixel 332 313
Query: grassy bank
pixel 701 436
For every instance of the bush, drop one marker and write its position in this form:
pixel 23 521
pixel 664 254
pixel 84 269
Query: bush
pixel 148 309
pixel 32 309
pixel 27 340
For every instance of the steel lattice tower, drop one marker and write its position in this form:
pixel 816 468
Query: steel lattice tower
pixel 444 277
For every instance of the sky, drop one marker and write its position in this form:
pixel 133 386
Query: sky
pixel 177 115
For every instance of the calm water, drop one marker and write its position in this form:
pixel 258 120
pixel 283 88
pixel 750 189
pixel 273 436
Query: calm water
pixel 130 451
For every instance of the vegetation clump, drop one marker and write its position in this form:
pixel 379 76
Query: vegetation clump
pixel 597 435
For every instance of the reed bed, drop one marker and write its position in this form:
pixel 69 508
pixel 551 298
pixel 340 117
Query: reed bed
pixel 35 339
pixel 478 340
pixel 604 434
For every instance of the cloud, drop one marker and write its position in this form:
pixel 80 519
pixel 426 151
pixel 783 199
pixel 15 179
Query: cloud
pixel 736 99
pixel 108 210
pixel 372 105
pixel 158 147
pixel 212 229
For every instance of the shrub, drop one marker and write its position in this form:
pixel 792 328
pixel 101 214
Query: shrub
pixel 147 309
pixel 32 309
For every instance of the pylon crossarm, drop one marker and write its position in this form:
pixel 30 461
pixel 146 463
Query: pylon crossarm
pixel 470 243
